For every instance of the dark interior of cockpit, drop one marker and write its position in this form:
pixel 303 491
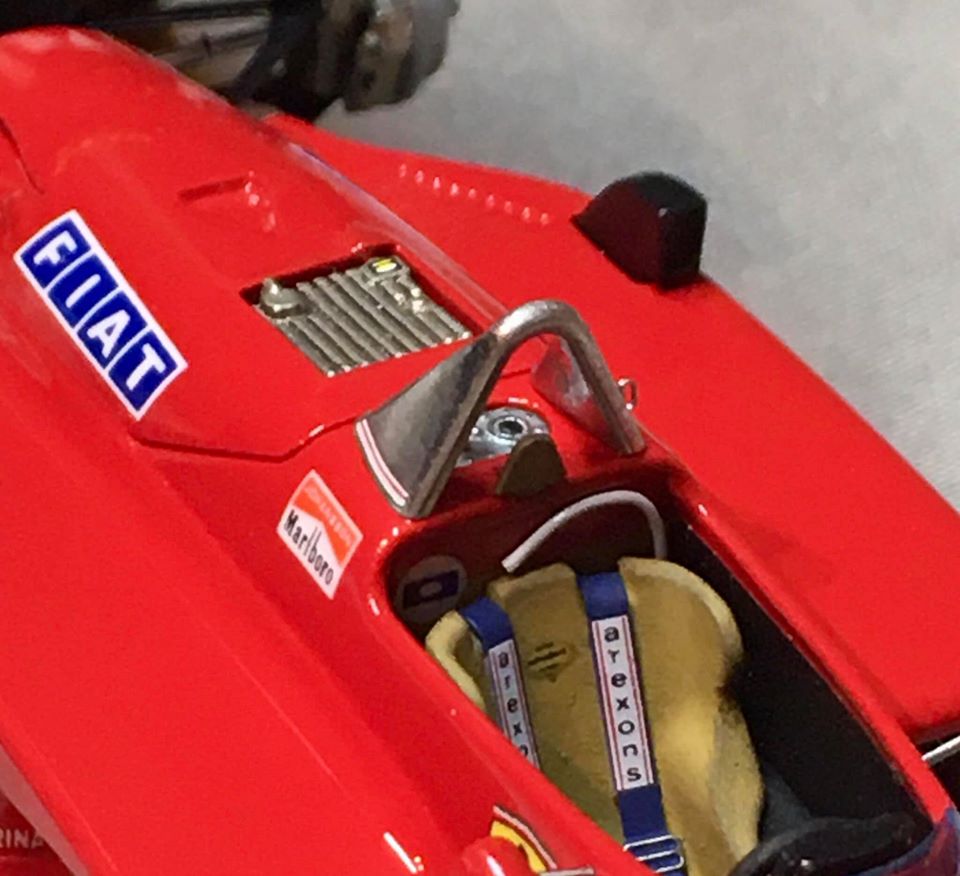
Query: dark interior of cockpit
pixel 763 768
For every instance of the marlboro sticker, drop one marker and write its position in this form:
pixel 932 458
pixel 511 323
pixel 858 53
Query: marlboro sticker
pixel 319 532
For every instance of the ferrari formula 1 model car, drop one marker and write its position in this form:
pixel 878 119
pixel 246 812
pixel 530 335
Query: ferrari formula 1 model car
pixel 371 513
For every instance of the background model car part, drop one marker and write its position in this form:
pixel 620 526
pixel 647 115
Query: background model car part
pixel 299 55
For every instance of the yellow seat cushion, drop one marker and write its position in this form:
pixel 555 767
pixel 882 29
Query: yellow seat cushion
pixel 689 645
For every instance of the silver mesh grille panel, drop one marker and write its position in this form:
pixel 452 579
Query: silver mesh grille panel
pixel 348 319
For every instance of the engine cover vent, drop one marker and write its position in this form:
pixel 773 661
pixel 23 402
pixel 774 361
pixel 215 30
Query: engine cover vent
pixel 347 319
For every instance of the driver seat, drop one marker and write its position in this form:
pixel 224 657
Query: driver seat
pixel 688 646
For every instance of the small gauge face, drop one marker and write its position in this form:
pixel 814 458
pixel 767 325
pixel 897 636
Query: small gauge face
pixel 431 588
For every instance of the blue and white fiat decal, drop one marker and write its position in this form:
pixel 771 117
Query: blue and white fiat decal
pixel 104 316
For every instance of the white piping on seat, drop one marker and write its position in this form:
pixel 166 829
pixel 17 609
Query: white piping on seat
pixel 943 751
pixel 519 555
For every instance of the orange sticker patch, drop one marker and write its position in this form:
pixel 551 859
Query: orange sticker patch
pixel 319 532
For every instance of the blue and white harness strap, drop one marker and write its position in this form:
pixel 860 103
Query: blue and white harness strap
pixel 645 830
pixel 492 626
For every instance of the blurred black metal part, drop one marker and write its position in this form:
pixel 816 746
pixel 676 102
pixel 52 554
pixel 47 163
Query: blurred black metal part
pixel 306 54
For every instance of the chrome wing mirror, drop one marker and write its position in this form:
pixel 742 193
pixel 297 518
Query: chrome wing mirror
pixel 412 442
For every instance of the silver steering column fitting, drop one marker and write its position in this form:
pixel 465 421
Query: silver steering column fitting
pixel 412 443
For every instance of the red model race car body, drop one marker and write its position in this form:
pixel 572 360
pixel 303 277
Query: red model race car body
pixel 180 692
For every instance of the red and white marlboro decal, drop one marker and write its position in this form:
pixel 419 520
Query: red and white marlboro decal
pixel 319 532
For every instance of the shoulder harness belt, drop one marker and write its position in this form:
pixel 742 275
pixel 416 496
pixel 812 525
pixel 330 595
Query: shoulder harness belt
pixel 492 626
pixel 645 831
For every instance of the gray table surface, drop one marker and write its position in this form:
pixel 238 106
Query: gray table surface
pixel 826 134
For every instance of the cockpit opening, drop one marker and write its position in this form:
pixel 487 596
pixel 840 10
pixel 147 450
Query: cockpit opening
pixel 586 614
pixel 623 659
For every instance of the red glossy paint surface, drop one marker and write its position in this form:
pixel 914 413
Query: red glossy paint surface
pixel 177 693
